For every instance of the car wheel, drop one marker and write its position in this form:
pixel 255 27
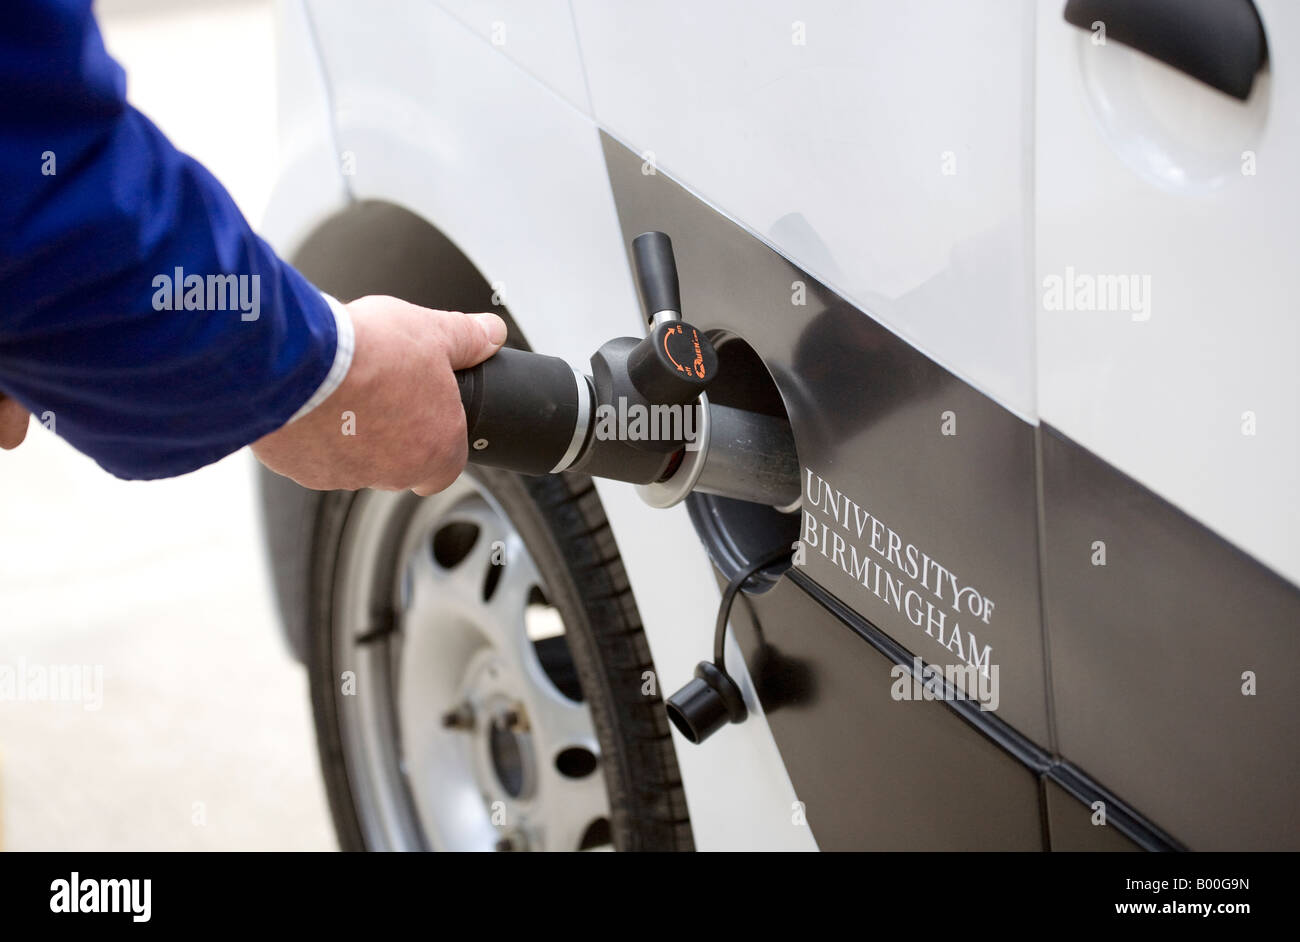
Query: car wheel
pixel 479 676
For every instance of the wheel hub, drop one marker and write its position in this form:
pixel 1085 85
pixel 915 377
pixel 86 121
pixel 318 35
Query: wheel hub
pixel 482 734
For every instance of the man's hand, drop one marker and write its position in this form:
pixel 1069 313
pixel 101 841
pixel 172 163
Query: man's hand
pixel 13 422
pixel 396 421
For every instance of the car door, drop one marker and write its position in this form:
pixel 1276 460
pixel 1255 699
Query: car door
pixel 1166 238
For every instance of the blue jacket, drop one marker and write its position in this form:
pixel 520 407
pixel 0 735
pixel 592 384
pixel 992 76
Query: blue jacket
pixel 119 325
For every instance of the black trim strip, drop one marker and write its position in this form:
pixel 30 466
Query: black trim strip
pixel 991 726
pixel 1119 815
pixel 1078 783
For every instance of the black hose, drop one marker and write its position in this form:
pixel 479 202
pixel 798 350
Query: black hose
pixel 729 596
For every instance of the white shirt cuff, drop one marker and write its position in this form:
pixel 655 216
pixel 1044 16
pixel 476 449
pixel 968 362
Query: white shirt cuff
pixel 342 358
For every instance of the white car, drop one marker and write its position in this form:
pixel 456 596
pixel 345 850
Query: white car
pixel 1014 280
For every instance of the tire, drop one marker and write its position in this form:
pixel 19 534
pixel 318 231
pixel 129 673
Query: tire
pixel 602 657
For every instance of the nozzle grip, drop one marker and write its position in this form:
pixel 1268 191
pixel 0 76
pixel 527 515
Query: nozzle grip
pixel 521 410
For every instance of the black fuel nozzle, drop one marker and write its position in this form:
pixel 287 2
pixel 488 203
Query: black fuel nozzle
pixel 533 413
pixel 640 416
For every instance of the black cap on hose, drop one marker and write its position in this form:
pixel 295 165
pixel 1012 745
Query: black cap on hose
pixel 709 702
pixel 656 273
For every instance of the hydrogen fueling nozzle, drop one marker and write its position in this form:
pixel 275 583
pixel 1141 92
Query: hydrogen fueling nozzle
pixel 642 416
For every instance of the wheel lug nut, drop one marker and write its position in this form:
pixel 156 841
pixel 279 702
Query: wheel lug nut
pixel 515 720
pixel 460 717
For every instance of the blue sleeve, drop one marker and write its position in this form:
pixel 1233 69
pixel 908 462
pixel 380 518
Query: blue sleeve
pixel 119 321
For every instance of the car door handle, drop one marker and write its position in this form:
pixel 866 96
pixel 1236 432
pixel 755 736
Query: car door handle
pixel 1219 42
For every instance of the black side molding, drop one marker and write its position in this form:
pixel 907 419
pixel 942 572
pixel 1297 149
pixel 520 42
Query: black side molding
pixel 1219 42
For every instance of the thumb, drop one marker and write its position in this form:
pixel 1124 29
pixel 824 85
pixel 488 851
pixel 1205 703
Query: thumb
pixel 472 338
pixel 13 422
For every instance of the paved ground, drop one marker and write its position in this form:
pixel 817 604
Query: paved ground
pixel 203 739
